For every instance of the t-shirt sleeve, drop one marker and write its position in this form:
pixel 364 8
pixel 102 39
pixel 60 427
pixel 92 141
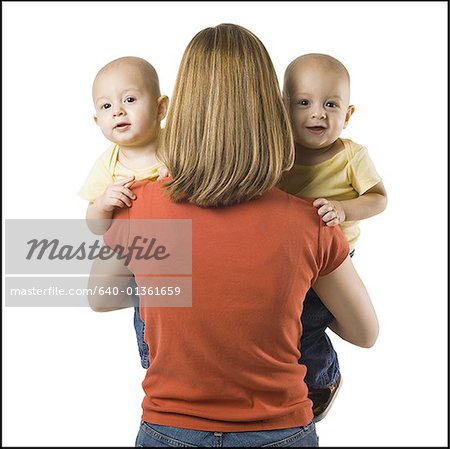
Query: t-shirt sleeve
pixel 363 174
pixel 333 248
pixel 97 181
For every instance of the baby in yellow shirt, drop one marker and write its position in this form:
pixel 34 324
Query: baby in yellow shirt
pixel 129 108
pixel 341 177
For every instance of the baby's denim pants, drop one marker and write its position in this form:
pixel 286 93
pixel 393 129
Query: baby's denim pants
pixel 139 327
pixel 317 352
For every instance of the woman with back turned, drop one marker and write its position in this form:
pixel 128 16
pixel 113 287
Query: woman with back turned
pixel 225 371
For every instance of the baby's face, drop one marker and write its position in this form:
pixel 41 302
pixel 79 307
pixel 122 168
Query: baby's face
pixel 126 106
pixel 317 99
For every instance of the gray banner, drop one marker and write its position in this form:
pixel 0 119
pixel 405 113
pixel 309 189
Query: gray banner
pixel 69 247
pixel 44 257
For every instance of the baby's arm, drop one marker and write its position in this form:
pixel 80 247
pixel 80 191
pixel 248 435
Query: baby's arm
pixel 99 212
pixel 367 205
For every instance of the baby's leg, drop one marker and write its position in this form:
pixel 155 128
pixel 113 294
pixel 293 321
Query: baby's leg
pixel 317 353
pixel 139 327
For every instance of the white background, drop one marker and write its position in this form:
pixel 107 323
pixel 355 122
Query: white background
pixel 71 376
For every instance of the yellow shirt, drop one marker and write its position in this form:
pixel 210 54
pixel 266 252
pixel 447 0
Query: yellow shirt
pixel 107 169
pixel 346 175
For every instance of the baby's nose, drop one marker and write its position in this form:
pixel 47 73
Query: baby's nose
pixel 118 111
pixel 319 114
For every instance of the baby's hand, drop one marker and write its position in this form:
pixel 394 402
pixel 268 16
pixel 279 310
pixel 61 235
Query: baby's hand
pixel 116 195
pixel 332 212
pixel 163 172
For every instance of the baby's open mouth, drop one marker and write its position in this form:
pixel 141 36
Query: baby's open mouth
pixel 316 128
pixel 121 125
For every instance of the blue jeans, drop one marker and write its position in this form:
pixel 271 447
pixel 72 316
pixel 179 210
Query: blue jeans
pixel 154 435
pixel 139 327
pixel 317 351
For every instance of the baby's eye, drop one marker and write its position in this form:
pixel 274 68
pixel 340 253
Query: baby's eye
pixel 330 104
pixel 130 100
pixel 105 106
pixel 303 102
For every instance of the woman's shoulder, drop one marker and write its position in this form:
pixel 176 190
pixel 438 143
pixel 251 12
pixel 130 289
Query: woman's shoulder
pixel 294 206
pixel 292 201
pixel 275 205
pixel 147 191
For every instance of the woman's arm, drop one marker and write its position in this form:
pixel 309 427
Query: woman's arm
pixel 98 221
pixel 110 273
pixel 346 297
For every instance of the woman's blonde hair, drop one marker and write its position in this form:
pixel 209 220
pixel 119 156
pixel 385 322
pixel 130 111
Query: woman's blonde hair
pixel 227 136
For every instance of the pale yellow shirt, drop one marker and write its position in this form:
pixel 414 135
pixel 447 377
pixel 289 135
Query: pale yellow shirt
pixel 347 175
pixel 107 169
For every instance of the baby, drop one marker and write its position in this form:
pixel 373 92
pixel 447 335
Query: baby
pixel 341 177
pixel 129 108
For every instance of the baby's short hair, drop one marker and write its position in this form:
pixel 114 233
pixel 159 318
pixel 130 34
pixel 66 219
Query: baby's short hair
pixel 147 71
pixel 320 59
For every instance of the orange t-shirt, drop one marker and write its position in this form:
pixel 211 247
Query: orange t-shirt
pixel 230 361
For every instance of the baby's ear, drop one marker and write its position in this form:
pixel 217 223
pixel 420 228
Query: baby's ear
pixel 350 111
pixel 163 106
pixel 95 119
